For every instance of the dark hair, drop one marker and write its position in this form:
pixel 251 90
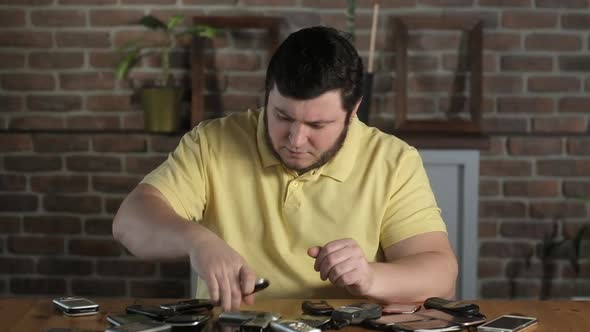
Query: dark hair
pixel 313 61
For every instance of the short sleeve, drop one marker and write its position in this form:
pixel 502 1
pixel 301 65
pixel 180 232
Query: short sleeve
pixel 412 207
pixel 182 178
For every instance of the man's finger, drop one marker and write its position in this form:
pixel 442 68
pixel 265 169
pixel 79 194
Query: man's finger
pixel 213 286
pixel 225 292
pixel 247 280
pixel 327 249
pixel 333 260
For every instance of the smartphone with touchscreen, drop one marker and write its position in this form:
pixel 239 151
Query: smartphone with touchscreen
pixel 508 323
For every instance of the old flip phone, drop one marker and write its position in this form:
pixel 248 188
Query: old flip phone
pixel 259 323
pixel 452 307
pixel 188 305
pixel 356 313
pixel 151 311
pixel 76 306
pixel 316 308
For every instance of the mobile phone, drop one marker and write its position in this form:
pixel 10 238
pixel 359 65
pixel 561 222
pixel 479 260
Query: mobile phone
pixel 76 306
pixel 315 320
pixel 508 323
pixel 426 325
pixel 188 305
pixel 260 284
pixel 399 308
pixel 187 320
pixel 452 307
pixel 259 323
pixel 290 325
pixel 316 308
pixel 151 311
pixel 457 319
pixel 242 316
pixel 357 312
pixel 384 322
pixel 122 319
pixel 140 327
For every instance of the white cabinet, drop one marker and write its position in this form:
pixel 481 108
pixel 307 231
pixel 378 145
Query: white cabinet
pixel 454 177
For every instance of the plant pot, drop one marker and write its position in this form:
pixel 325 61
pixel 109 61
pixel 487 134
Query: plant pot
pixel 161 109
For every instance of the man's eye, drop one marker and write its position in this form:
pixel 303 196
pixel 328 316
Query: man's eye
pixel 282 117
pixel 316 126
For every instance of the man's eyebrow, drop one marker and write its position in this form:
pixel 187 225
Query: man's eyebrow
pixel 313 123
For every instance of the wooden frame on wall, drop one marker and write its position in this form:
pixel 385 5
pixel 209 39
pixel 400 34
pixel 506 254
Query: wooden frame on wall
pixel 474 31
pixel 271 24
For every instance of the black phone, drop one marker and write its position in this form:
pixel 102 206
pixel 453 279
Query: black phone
pixel 188 305
pixel 187 320
pixel 457 319
pixel 260 284
pixel 357 312
pixel 122 319
pixel 316 308
pixel 151 311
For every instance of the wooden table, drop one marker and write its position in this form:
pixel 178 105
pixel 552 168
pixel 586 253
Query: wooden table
pixel 26 314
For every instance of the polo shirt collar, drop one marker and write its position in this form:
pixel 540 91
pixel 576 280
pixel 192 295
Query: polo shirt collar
pixel 338 168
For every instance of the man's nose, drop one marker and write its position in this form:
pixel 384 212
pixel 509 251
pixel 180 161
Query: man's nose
pixel 297 135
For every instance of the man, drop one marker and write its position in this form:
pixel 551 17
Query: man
pixel 301 193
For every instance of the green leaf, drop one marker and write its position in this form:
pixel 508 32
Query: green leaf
pixel 174 21
pixel 151 22
pixel 126 63
pixel 200 31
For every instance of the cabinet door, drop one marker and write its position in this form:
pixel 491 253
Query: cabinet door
pixel 454 177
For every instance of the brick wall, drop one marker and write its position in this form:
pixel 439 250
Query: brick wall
pixel 71 145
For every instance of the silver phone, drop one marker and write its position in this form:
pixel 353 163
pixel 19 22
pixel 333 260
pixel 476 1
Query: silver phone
pixel 508 323
pixel 76 306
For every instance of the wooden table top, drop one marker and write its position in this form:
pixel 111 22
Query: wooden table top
pixel 28 314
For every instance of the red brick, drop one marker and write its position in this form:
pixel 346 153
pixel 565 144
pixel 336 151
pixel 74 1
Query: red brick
pixel 175 269
pixel 52 225
pixel 36 245
pixel 575 21
pixel 26 39
pixel 553 42
pixel 114 184
pixel 94 247
pixel 578 146
pixel 9 224
pixel 12 18
pixel 525 230
pixel 505 125
pixel 487 268
pixel 29 122
pixel 220 2
pixel 54 103
pixel 10 60
pixel 12 182
pixel 449 63
pixel 87 81
pixel 238 61
pixel 438 41
pixel 448 3
pixel 87 163
pixel 64 266
pixel 497 147
pixel 562 3
pixel 534 146
pixel 98 287
pixel 148 2
pixel 75 204
pixel 501 209
pixel 522 269
pixel 502 41
pixel 58 18
pixel 107 59
pixel 576 188
pixel 133 121
pixel 232 103
pixel 571 125
pixel 563 167
pixel 500 249
pixel 526 63
pixel 505 3
pixel 91 39
pixel 531 188
pixel 98 226
pixel 142 164
pixel 126 268
pixel 169 289
pixel 148 38
pixel 26 2
pixel 525 105
pixel 93 122
pixel 60 143
pixel 163 143
pixel 529 20
pixel 505 168
pixel 15 265
pixel 11 104
pixel 574 104
pixel 489 188
pixel 553 84
pixel 429 83
pixel 112 205
pixel 59 183
pixel 119 143
pixel 574 63
pixel 250 83
pixel 27 82
pixel 109 18
pixel 38 286
pixel 87 2
pixel 108 103
pixel 32 163
pixel 503 84
pixel 557 210
pixel 15 142
pixel 56 60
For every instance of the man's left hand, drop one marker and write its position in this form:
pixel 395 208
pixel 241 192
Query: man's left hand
pixel 344 263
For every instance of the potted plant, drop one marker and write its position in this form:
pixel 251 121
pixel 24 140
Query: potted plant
pixel 161 102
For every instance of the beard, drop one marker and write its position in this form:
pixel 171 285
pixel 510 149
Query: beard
pixel 321 161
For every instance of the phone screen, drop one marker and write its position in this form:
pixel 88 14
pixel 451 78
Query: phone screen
pixel 510 322
pixel 428 324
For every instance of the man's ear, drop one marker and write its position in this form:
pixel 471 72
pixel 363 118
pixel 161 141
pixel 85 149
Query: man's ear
pixel 356 108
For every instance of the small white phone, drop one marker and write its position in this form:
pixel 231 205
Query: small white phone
pixel 508 323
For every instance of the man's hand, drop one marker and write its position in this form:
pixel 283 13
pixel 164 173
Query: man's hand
pixel 226 273
pixel 344 263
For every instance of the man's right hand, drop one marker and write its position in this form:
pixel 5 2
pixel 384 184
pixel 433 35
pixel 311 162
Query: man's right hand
pixel 225 272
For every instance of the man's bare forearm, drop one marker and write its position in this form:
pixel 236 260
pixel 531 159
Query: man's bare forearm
pixel 149 228
pixel 415 278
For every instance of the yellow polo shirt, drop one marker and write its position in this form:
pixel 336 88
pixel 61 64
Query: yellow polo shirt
pixel 224 175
